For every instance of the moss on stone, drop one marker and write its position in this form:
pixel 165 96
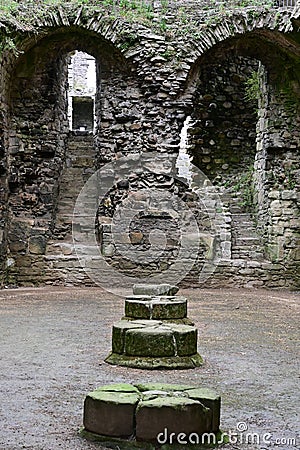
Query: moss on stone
pixel 150 363
pixel 114 397
pixel 177 403
pixel 155 342
pixel 202 393
pixel 118 387
pixel 162 387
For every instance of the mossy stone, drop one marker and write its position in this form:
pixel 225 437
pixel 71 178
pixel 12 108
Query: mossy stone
pixel 157 308
pixel 169 308
pixel 150 341
pixel 138 309
pixel 110 413
pixel 186 339
pixel 114 397
pixel 118 334
pixel 118 387
pixel 211 400
pixel 162 387
pixel 176 414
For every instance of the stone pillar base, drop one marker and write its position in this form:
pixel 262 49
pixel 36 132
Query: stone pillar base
pixel 150 416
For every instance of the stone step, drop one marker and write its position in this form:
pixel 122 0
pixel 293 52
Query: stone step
pixel 153 338
pixel 246 241
pixel 257 256
pixel 154 344
pixel 147 307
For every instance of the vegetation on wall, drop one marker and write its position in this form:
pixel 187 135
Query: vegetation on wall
pixel 25 14
pixel 252 88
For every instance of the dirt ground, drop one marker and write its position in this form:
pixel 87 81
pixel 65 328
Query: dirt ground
pixel 54 341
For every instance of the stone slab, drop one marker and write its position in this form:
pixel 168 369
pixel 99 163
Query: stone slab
pixel 154 289
pixel 110 413
pixel 150 363
pixel 157 308
pixel 176 414
pixel 149 341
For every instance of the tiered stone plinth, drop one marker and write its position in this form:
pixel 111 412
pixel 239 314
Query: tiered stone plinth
pixel 155 332
pixel 151 413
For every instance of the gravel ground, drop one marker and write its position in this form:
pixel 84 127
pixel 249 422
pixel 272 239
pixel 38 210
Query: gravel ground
pixel 54 341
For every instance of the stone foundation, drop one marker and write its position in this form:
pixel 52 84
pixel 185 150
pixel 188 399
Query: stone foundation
pixel 151 413
pixel 155 332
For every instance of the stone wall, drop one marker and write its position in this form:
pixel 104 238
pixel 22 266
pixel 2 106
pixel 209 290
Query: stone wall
pixel 277 175
pixel 151 74
pixel 222 139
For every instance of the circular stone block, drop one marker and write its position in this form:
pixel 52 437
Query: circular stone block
pixel 159 308
pixel 156 414
pixel 152 344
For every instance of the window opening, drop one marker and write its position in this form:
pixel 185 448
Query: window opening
pixel 81 91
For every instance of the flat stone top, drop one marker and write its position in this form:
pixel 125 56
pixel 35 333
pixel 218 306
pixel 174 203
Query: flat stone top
pixel 153 326
pixel 156 299
pixel 115 397
pixel 154 289
pixel 153 392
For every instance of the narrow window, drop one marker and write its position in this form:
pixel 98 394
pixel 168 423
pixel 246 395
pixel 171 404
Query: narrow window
pixel 81 91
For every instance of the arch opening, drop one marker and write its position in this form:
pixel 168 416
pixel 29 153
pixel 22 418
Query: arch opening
pixel 54 143
pixel 244 136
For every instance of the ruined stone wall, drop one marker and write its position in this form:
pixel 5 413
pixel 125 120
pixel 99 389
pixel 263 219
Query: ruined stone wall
pixel 222 139
pixel 4 89
pixel 3 201
pixel 151 75
pixel 38 125
pixel 277 174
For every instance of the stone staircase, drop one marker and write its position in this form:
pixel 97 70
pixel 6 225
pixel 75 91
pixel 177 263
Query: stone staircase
pixel 79 165
pixel 61 258
pixel 245 241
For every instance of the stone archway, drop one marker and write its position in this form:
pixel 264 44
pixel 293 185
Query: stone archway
pixel 48 165
pixel 149 77
pixel 252 152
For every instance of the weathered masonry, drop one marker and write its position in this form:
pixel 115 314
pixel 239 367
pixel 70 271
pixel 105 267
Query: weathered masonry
pixel 234 73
